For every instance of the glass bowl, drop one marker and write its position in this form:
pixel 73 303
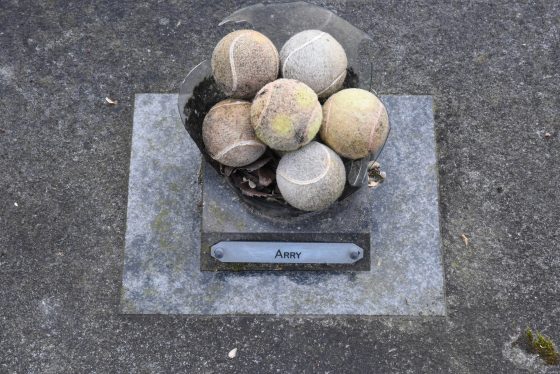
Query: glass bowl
pixel 198 91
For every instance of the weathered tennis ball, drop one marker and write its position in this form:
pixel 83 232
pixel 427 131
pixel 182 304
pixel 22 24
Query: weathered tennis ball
pixel 244 61
pixel 228 135
pixel 315 58
pixel 311 178
pixel 355 123
pixel 286 114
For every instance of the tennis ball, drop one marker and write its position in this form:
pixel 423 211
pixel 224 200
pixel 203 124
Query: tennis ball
pixel 311 178
pixel 355 123
pixel 286 114
pixel 315 58
pixel 244 61
pixel 228 135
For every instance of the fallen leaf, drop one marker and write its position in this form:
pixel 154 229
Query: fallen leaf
pixel 375 175
pixel 373 165
pixel 465 240
pixel 547 135
pixel 250 180
pixel 232 353
pixel 110 101
pixel 266 177
pixel 249 177
pixel 248 191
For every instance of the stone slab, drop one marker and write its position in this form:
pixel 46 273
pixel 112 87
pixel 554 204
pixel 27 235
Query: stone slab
pixel 161 263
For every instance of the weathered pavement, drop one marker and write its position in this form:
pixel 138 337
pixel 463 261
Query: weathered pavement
pixel 64 157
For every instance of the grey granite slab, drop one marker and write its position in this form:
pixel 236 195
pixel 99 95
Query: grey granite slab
pixel 161 263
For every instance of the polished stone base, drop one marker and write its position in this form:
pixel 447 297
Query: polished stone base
pixel 162 271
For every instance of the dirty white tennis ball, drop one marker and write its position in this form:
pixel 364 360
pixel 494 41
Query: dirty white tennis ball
pixel 244 61
pixel 315 58
pixel 286 114
pixel 228 134
pixel 311 178
pixel 355 123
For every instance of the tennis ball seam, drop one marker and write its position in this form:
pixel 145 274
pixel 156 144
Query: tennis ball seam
pixel 241 143
pixel 374 126
pixel 264 109
pixel 214 64
pixel 232 61
pixel 276 55
pixel 313 180
pixel 298 49
pixel 311 116
pixel 327 117
pixel 240 102
pixel 332 84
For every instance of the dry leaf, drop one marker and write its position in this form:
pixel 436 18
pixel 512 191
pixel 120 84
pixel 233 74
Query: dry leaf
pixel 375 175
pixel 547 135
pixel 465 240
pixel 110 101
pixel 248 191
pixel 373 165
pixel 266 177
pixel 232 353
pixel 249 177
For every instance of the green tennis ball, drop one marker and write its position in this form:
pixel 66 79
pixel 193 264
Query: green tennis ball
pixel 244 61
pixel 286 114
pixel 315 58
pixel 311 178
pixel 355 123
pixel 228 135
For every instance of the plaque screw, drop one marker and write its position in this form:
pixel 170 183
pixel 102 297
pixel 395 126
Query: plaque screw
pixel 218 253
pixel 354 255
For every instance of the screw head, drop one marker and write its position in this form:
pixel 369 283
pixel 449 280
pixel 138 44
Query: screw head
pixel 218 253
pixel 354 255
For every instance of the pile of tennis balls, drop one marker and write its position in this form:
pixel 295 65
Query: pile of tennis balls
pixel 284 113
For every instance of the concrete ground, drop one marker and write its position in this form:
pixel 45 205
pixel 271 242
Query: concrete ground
pixel 64 154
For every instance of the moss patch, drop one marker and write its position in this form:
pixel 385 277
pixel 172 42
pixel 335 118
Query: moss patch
pixel 542 345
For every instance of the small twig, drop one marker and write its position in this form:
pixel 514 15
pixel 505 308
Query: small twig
pixel 465 240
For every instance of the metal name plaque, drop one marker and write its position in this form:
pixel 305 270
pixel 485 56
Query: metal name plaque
pixel 287 252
